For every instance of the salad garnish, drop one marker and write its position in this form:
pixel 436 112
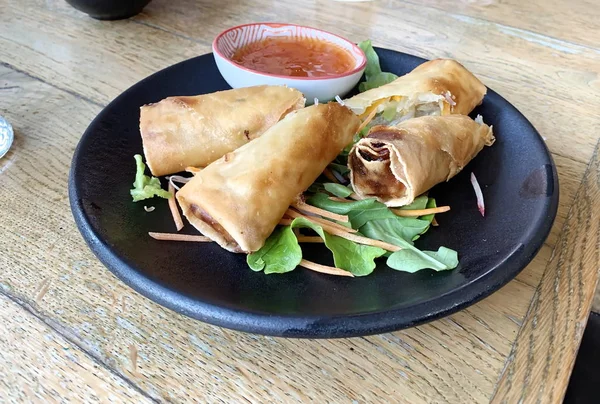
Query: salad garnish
pixel 373 74
pixel 146 187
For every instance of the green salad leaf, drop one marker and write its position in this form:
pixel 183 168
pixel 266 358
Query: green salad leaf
pixel 348 255
pixel 375 220
pixel 377 81
pixel 373 68
pixel 422 202
pixel 280 254
pixel 430 204
pixel 396 228
pixel 369 215
pixel 419 203
pixel 411 259
pixel 373 74
pixel 340 168
pixel 338 190
pixel 146 187
pixel 357 136
pixel 315 187
pixel 321 200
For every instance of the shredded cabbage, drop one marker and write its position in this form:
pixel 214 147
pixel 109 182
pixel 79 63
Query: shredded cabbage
pixel 146 187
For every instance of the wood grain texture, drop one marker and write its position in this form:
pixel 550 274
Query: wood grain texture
pixel 38 365
pixel 45 263
pixel 84 54
pixel 544 354
pixel 560 21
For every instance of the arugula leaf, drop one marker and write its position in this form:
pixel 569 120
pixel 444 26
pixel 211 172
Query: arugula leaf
pixel 342 159
pixel 373 68
pixel 357 136
pixel 340 168
pixel 373 217
pixel 348 255
pixel 144 186
pixel 321 200
pixel 429 218
pixel 315 187
pixel 430 204
pixel 410 259
pixel 396 230
pixel 280 254
pixel 419 203
pixel 377 81
pixel 338 190
pixel 373 74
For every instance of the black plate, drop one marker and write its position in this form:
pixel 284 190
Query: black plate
pixel 203 281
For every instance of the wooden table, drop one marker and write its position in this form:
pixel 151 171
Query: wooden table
pixel 69 328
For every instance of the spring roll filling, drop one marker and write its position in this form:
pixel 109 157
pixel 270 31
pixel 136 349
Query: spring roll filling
pixel 201 214
pixel 386 184
pixel 391 111
pixel 391 181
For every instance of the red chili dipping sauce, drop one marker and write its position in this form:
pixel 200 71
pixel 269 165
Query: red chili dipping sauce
pixel 297 57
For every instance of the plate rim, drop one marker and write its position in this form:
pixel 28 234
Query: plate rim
pixel 294 326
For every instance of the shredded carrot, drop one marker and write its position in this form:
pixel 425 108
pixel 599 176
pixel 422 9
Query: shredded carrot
pixel 309 239
pixel 342 231
pixel 434 222
pixel 327 173
pixel 322 222
pixel 318 211
pixel 365 240
pixel 373 107
pixel 193 170
pixel 368 119
pixel 324 269
pixel 174 209
pixel 178 237
pixel 420 212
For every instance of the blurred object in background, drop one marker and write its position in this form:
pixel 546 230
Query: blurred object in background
pixel 6 136
pixel 109 9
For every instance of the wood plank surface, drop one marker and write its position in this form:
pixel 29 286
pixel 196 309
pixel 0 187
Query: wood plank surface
pixel 60 67
pixel 84 54
pixel 560 21
pixel 544 354
pixel 39 365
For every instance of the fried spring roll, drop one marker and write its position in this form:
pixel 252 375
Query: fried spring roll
pixel 178 132
pixel 395 164
pixel 436 87
pixel 238 200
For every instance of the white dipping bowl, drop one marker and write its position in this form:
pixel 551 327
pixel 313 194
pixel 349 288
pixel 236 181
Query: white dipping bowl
pixel 323 88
